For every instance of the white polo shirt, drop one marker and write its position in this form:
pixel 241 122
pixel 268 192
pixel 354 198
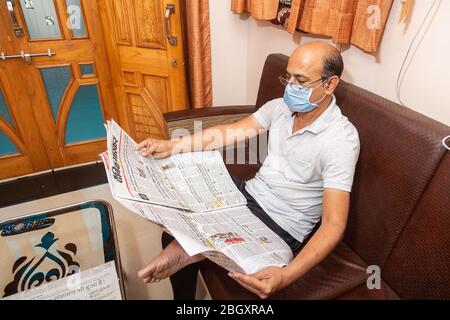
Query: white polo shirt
pixel 289 186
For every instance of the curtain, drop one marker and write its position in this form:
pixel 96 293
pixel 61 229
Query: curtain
pixel 359 22
pixel 198 41
pixel 259 9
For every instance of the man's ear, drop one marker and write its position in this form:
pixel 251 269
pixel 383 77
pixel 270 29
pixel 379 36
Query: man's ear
pixel 332 84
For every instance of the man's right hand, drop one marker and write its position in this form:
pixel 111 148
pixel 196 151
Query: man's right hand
pixel 158 149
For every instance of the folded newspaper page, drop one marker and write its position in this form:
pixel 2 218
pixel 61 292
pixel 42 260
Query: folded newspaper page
pixel 98 283
pixel 196 202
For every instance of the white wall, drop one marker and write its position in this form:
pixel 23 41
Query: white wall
pixel 229 46
pixel 241 44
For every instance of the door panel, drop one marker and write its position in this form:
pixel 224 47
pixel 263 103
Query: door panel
pixel 147 24
pixel 5 115
pixel 8 137
pixel 78 92
pixel 53 106
pixel 148 71
pixel 85 112
pixel 21 147
pixel 87 70
pixel 57 81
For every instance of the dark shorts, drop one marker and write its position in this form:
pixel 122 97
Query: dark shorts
pixel 256 209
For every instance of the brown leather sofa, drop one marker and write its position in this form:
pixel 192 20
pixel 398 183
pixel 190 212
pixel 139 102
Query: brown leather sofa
pixel 400 205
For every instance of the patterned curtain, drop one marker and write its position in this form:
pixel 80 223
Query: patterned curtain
pixel 359 22
pixel 259 9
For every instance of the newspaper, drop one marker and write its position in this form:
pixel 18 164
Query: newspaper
pixel 99 283
pixel 193 197
pixel 192 181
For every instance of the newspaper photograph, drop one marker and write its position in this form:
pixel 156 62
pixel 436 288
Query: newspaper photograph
pixel 230 236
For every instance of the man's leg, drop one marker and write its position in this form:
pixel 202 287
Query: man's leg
pixel 184 282
pixel 259 212
pixel 171 260
pixel 175 263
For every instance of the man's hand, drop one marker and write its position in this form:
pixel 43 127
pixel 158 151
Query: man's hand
pixel 155 148
pixel 263 283
pixel 334 220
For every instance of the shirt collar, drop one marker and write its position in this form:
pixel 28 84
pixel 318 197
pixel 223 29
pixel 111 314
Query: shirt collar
pixel 322 122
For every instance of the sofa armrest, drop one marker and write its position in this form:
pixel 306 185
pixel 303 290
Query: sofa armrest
pixel 208 112
pixel 188 120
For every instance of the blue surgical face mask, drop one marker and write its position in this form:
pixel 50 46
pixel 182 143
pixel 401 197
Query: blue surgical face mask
pixel 298 98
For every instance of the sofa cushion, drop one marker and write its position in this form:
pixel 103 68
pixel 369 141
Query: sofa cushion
pixel 419 266
pixel 400 151
pixel 364 293
pixel 243 172
pixel 341 272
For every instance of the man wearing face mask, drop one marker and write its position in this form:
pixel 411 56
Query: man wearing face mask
pixel 306 177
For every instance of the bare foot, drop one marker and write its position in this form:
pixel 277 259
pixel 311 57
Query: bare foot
pixel 171 260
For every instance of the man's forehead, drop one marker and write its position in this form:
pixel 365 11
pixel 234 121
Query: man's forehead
pixel 304 70
pixel 305 63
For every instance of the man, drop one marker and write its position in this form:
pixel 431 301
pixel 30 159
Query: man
pixel 306 177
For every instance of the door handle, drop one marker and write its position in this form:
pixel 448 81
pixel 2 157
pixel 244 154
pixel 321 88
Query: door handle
pixel 170 9
pixel 10 4
pixel 27 56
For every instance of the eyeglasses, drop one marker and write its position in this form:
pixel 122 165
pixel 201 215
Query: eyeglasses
pixel 284 80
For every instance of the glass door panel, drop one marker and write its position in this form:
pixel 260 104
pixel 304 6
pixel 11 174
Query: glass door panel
pixel 7 146
pixel 86 122
pixel 41 19
pixel 76 18
pixel 56 81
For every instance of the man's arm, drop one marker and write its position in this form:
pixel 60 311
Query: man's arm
pixel 208 139
pixel 330 233
pixel 334 221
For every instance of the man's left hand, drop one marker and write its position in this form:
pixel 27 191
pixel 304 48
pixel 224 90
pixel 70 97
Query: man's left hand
pixel 263 283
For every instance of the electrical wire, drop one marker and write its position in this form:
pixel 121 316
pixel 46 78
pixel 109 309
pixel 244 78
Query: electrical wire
pixel 401 72
pixel 444 142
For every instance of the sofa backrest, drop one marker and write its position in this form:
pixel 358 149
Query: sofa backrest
pixel 270 87
pixel 400 153
pixel 419 265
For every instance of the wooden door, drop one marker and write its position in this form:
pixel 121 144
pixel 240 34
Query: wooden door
pixel 22 149
pixel 148 69
pixel 70 93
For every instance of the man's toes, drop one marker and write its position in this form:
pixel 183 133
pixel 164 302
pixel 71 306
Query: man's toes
pixel 147 271
pixel 151 279
pixel 147 280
